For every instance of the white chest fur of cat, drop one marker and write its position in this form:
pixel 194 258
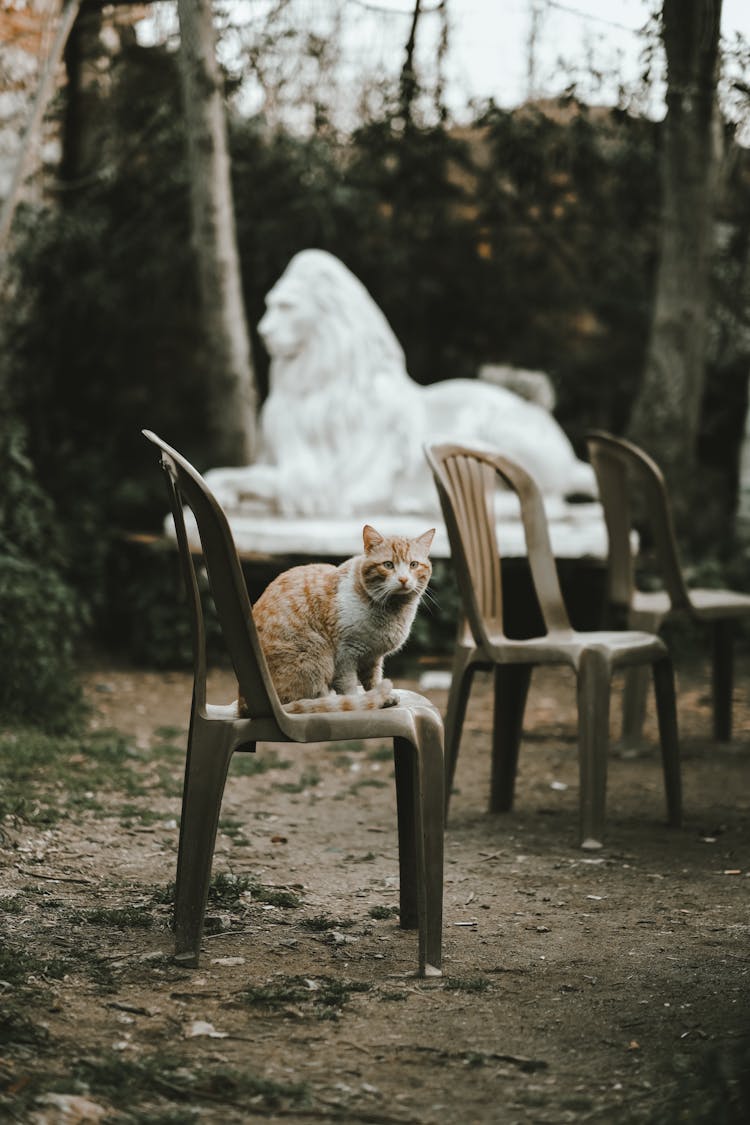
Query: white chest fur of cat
pixel 326 630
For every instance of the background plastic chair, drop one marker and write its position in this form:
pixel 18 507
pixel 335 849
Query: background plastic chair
pixel 621 468
pixel 467 480
pixel 216 732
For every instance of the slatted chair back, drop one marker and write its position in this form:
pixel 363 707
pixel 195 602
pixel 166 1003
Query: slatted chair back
pixel 467 481
pixel 228 588
pixel 619 465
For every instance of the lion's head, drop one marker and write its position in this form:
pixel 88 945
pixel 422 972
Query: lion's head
pixel 322 326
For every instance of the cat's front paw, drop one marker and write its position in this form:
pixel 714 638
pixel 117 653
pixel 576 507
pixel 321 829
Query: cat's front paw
pixel 388 697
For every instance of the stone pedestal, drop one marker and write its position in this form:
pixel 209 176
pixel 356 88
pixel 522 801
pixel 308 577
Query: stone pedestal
pixel 577 531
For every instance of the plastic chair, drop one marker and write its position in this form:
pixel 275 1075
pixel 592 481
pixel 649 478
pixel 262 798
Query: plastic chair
pixel 620 466
pixel 216 732
pixel 467 480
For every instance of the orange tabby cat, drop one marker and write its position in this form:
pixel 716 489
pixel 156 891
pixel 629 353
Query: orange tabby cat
pixel 326 629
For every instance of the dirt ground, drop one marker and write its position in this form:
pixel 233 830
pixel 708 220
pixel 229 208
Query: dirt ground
pixel 608 987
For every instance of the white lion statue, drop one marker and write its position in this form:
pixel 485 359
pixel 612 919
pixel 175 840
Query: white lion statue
pixel 343 427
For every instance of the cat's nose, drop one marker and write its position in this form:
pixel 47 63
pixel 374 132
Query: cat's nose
pixel 404 579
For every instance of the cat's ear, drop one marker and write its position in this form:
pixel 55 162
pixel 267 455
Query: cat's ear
pixel 371 538
pixel 424 542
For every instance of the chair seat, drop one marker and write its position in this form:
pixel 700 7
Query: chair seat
pixel 712 605
pixel 328 726
pixel 621 647
pixel 705 604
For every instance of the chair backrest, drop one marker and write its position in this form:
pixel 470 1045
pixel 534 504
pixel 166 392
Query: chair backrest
pixel 228 588
pixel 620 466
pixel 467 481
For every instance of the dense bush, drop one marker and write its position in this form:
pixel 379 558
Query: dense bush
pixel 40 613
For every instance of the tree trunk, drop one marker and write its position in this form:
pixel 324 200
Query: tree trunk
pixel 231 388
pixel 666 413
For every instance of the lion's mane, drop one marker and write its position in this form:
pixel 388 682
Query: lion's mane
pixel 347 339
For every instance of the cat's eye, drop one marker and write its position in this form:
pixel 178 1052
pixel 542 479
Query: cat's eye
pixel 414 564
pixel 388 564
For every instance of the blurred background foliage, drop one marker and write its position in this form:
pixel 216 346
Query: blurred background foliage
pixel 526 237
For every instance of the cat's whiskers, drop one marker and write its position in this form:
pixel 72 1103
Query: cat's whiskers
pixel 430 601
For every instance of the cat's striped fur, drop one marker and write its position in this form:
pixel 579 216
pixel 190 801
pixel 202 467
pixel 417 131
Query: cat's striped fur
pixel 325 630
pixel 382 695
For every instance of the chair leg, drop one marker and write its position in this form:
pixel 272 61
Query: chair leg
pixel 594 689
pixel 722 678
pixel 419 781
pixel 405 763
pixel 637 680
pixel 462 675
pixel 634 704
pixel 666 710
pixel 206 768
pixel 511 690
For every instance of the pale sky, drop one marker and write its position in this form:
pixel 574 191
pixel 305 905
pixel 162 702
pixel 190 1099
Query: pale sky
pixel 490 40
pixel 489 43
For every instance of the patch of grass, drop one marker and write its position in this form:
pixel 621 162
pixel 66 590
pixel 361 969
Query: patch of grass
pixel 16 1028
pixel 467 984
pixel 169 784
pixel 142 814
pixel 368 783
pixel 321 923
pixel 15 966
pixel 272 896
pixel 308 780
pixel 129 1081
pixel 42 776
pixel 21 993
pixel 355 747
pixel 227 889
pixel 380 754
pixel 231 827
pixel 383 912
pixel 164 896
pixel 475 1059
pixel 24 972
pixel 12 904
pixel 99 971
pixel 121 917
pixel 248 765
pixel 323 997
pixel 168 751
pixel 167 733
